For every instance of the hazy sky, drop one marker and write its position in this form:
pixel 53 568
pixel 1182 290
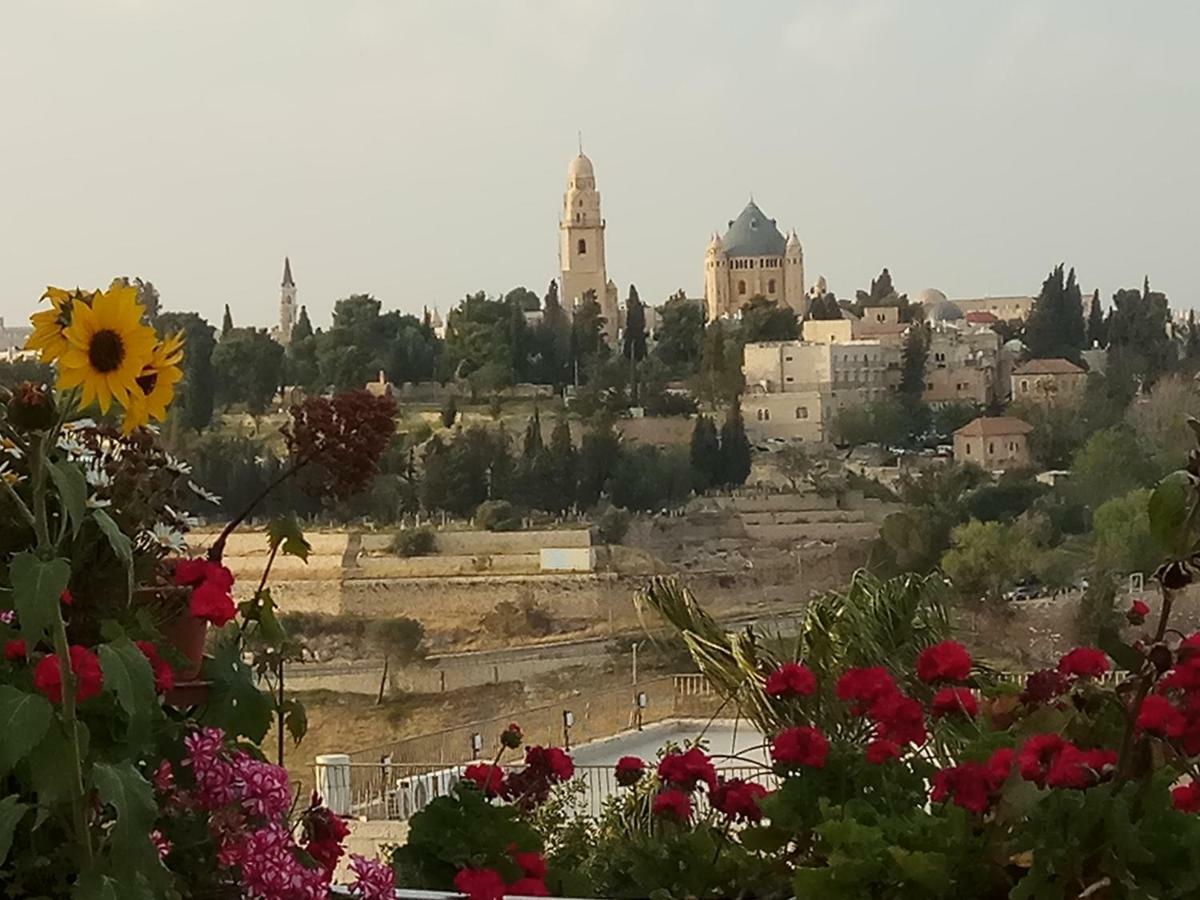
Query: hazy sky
pixel 418 149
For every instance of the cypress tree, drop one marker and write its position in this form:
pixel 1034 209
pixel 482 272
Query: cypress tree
pixel 226 322
pixel 563 465
pixel 533 437
pixel 735 448
pixel 303 328
pixel 635 327
pixel 1056 326
pixel 704 454
pixel 449 411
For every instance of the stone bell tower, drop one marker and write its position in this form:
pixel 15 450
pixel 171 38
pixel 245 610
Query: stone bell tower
pixel 581 246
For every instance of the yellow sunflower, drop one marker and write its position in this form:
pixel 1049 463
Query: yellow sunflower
pixel 49 325
pixel 109 347
pixel 156 385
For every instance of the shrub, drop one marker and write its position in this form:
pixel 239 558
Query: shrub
pixel 415 542
pixel 612 525
pixel 527 618
pixel 497 515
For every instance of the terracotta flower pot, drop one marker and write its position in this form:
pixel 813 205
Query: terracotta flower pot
pixel 186 634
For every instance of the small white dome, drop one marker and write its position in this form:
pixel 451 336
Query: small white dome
pixel 929 296
pixel 581 167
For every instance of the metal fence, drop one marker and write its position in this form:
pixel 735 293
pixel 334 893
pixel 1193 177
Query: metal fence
pixel 397 791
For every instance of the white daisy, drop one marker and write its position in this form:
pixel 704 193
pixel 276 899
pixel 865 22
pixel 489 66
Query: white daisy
pixel 95 502
pixel 97 476
pixel 166 537
pixel 178 466
pixel 204 494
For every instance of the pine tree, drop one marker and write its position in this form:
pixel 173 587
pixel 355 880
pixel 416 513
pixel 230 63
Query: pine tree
pixel 226 322
pixel 1056 326
pixel 533 437
pixel 913 359
pixel 735 448
pixel 635 327
pixel 704 454
pixel 449 411
pixel 562 465
pixel 303 328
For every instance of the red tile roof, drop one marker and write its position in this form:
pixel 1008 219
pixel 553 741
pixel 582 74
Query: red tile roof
pixel 1048 367
pixel 994 426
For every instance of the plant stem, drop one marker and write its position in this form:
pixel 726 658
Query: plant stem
pixel 1148 677
pixel 217 550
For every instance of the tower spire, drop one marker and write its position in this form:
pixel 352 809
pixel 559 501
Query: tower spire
pixel 287 273
pixel 580 134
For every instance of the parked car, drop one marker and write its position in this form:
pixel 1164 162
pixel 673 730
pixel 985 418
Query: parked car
pixel 1028 590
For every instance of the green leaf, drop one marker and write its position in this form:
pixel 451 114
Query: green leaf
pixel 37 589
pixel 1168 511
pixel 11 813
pixel 1109 640
pixel 295 719
pixel 72 491
pixel 235 702
pixel 764 838
pixel 50 765
pixel 24 719
pixel 120 544
pixel 285 535
pixel 127 674
pixel 131 797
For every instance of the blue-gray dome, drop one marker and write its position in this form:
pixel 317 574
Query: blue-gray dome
pixel 753 234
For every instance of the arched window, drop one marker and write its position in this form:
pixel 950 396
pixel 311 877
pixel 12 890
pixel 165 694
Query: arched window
pixel 741 285
pixel 578 217
pixel 771 286
pixel 582 247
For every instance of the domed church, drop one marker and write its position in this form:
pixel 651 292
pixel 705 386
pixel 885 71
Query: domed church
pixel 752 259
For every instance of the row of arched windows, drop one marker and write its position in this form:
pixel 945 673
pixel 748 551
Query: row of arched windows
pixel 741 287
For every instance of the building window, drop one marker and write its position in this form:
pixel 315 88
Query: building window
pixel 1024 387
pixel 578 217
pixel 741 288
pixel 789 378
pixel 801 412
pixel 787 359
pixel 582 247
pixel 968 449
pixel 991 447
pixel 771 286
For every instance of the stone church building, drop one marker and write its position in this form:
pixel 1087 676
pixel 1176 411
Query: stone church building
pixel 581 247
pixel 753 259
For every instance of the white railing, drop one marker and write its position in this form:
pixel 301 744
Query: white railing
pixel 399 791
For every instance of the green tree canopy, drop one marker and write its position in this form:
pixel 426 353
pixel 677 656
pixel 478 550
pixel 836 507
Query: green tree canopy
pixel 1056 326
pixel 680 334
pixel 705 454
pixel 1123 542
pixel 634 339
pixel 196 393
pixel 1138 333
pixel 735 448
pixel 249 369
pixel 766 320
pixel 1111 463
pixel 987 558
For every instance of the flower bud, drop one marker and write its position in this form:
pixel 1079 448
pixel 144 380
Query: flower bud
pixel 511 737
pixel 1161 658
pixel 31 407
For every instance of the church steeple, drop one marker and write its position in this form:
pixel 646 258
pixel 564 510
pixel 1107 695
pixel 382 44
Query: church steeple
pixel 287 305
pixel 581 246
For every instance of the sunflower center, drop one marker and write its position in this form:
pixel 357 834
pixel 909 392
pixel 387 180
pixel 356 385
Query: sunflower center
pixel 147 381
pixel 106 352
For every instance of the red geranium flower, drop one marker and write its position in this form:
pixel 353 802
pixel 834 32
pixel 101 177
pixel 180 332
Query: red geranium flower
pixel 211 585
pixel 487 777
pixel 1036 756
pixel 686 770
pixel 630 770
pixel 14 650
pixel 551 762
pixel 738 800
pixel 1158 716
pixel 792 680
pixel 1000 765
pixel 1137 612
pixel 164 675
pixel 1045 685
pixel 899 718
pixel 862 687
pixel 1077 769
pixel 480 884
pixel 955 701
pixel 1084 662
pixel 532 863
pixel 1186 797
pixel 47 677
pixel 880 751
pixel 673 803
pixel 66 598
pixel 800 746
pixel 947 661
pixel 969 785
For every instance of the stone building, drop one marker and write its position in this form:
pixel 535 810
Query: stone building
pixel 287 306
pixel 581 247
pixel 1047 380
pixel 753 259
pixel 997 443
pixel 961 365
pixel 795 389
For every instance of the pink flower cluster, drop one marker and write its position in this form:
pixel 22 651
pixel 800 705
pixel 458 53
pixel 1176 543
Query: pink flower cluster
pixel 373 880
